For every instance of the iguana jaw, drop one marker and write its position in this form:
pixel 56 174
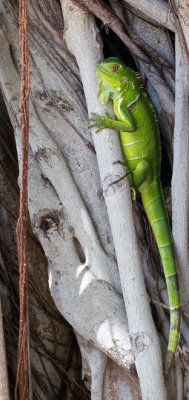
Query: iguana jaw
pixel 109 87
pixel 107 76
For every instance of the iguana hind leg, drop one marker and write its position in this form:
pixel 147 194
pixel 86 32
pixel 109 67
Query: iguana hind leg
pixel 142 175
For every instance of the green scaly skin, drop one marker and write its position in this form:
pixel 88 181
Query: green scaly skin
pixel 139 135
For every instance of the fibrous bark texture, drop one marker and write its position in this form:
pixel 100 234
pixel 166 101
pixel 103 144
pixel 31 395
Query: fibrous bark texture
pixel 103 269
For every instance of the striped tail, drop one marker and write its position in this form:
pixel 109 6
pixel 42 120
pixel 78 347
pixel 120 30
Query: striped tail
pixel 155 209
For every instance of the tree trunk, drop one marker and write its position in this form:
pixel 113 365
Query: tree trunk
pixel 104 272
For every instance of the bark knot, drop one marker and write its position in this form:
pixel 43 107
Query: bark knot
pixel 140 341
pixel 50 222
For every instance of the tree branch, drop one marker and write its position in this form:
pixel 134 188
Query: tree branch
pixel 181 19
pixel 180 181
pixel 156 11
pixel 81 38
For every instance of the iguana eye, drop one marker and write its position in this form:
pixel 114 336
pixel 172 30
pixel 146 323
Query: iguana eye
pixel 123 79
pixel 116 67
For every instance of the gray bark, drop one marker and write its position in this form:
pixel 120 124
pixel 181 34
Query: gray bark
pixel 4 385
pixel 96 252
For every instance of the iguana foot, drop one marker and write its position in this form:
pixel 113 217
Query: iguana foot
pixel 123 163
pixel 100 121
pixel 121 178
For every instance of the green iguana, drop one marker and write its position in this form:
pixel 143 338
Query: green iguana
pixel 140 141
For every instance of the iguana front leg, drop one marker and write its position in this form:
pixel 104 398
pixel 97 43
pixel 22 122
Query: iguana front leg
pixel 128 125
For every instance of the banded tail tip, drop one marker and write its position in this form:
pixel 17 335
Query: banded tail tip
pixel 169 360
pixel 175 329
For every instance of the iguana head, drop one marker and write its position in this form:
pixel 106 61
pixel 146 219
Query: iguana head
pixel 113 77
